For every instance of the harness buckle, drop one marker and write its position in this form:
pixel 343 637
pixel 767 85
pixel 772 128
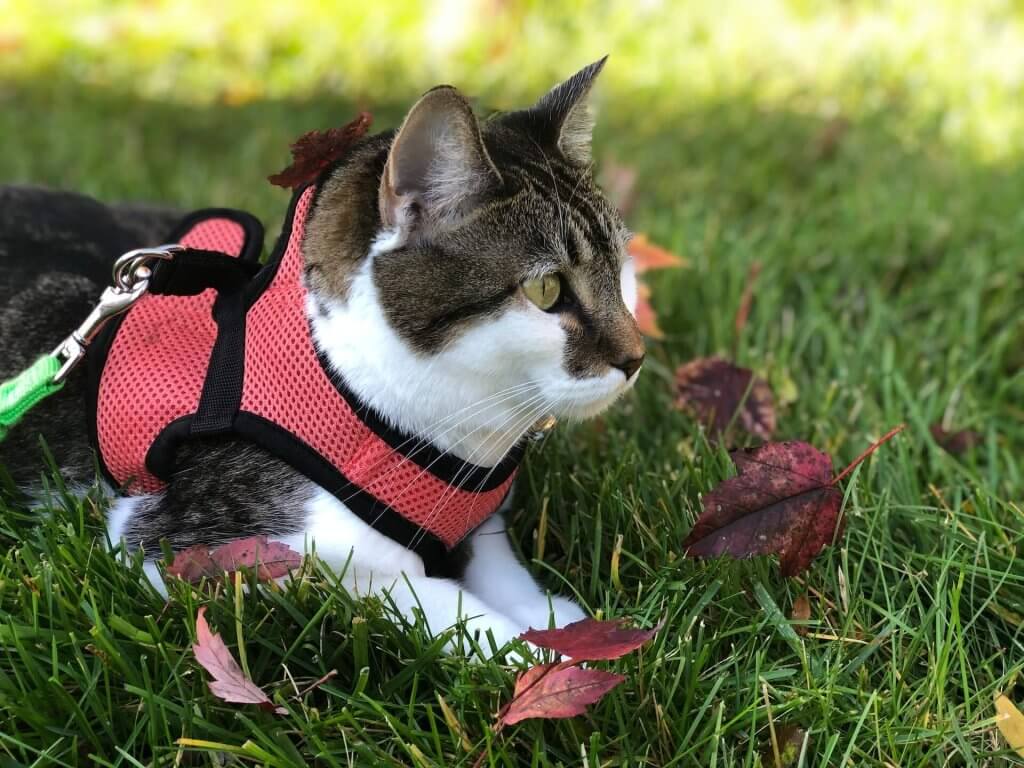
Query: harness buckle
pixel 131 274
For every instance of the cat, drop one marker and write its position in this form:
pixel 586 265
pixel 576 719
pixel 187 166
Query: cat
pixel 488 283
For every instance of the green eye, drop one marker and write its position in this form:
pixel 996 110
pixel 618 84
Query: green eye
pixel 543 291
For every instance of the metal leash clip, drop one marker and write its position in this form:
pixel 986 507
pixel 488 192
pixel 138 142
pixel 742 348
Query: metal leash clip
pixel 132 272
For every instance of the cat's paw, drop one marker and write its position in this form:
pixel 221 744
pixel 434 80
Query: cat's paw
pixel 537 614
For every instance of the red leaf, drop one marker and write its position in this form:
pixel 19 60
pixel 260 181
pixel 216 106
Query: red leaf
pixel 646 318
pixel 229 682
pixel 956 443
pixel 590 639
pixel 720 394
pixel 554 691
pixel 315 150
pixel 273 559
pixel 783 502
pixel 647 256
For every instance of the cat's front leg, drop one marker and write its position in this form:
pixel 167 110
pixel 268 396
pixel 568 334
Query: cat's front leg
pixel 496 576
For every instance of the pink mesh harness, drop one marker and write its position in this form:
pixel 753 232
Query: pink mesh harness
pixel 238 359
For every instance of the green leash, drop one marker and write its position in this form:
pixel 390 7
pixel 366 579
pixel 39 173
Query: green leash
pixel 46 375
pixel 20 394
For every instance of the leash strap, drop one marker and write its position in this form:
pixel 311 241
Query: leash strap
pixel 20 394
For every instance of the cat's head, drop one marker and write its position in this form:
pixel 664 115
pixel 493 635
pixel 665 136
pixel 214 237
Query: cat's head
pixel 469 277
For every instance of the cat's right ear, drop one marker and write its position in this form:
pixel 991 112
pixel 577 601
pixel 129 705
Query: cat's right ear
pixel 437 168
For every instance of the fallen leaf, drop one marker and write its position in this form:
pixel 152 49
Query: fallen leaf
pixel 747 299
pixel 646 318
pixel 790 742
pixel 229 682
pixel 272 559
pixel 801 613
pixel 555 691
pixel 647 256
pixel 784 501
pixel 720 394
pixel 1011 723
pixel 956 443
pixel 315 150
pixel 831 136
pixel 619 184
pixel 591 640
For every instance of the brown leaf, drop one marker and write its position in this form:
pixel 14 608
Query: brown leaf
pixel 720 394
pixel 647 256
pixel 273 559
pixel 801 613
pixel 831 136
pixel 646 318
pixel 790 742
pixel 555 691
pixel 315 150
pixel 956 443
pixel 784 501
pixel 229 682
pixel 619 184
pixel 781 502
pixel 747 299
pixel 590 639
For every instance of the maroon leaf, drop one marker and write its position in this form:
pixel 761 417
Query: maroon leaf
pixel 229 682
pixel 315 150
pixel 720 394
pixel 782 501
pixel 956 443
pixel 555 691
pixel 590 639
pixel 272 559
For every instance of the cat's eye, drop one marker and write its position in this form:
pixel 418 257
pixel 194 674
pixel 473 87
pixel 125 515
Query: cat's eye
pixel 544 291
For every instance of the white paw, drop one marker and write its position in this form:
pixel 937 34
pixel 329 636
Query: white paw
pixel 538 613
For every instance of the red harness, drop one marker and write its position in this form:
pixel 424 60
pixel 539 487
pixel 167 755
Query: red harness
pixel 238 359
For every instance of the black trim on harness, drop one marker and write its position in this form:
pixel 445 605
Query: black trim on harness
pixel 225 373
pixel 194 270
pixel 369 509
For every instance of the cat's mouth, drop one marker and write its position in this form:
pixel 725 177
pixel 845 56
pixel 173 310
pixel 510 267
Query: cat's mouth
pixel 581 399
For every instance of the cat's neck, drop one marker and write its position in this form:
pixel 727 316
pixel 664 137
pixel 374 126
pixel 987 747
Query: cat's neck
pixel 442 401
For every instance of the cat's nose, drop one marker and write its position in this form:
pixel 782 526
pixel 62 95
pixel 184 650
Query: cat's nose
pixel 630 365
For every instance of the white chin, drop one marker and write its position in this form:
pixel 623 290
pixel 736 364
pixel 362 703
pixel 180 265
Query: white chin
pixel 585 399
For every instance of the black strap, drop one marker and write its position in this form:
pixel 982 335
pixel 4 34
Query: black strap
pixel 194 270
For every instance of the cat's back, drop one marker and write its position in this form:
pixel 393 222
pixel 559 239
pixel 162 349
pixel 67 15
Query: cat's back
pixel 56 250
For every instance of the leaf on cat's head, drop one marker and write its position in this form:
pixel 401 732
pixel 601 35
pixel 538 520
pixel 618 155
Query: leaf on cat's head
pixel 315 150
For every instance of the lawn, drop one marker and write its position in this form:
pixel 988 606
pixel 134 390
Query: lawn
pixel 867 154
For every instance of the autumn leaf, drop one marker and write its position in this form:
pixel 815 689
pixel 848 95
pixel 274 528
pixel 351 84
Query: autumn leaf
pixel 784 501
pixel 790 743
pixel 648 256
pixel 1011 723
pixel 956 443
pixel 591 640
pixel 554 691
pixel 720 394
pixel 229 683
pixel 315 150
pixel 646 318
pixel 801 613
pixel 272 559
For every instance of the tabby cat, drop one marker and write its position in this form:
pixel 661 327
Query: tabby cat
pixel 465 278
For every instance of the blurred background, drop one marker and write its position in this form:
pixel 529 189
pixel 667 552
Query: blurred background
pixel 866 152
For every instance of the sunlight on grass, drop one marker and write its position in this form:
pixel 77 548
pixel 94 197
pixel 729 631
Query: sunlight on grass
pixel 959 63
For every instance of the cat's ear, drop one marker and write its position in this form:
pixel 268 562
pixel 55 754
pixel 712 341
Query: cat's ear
pixel 437 168
pixel 563 114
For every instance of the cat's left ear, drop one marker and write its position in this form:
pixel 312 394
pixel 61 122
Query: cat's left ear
pixel 563 114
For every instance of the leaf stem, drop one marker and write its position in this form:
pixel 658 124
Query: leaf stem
pixel 871 449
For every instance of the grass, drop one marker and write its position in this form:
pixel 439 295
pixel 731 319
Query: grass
pixel 868 155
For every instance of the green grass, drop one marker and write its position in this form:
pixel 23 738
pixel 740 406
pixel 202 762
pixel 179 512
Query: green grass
pixel 892 291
